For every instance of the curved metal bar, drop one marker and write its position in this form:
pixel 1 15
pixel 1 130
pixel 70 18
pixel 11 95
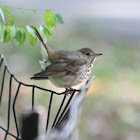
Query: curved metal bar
pixel 64 109
pixel 3 79
pixel 59 110
pixel 9 133
pixel 33 96
pixel 49 110
pixel 9 106
pixel 1 62
pixel 14 112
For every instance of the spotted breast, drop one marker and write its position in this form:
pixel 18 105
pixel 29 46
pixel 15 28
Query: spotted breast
pixel 72 80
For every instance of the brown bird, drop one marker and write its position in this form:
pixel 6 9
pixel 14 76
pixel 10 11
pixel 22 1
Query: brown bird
pixel 65 68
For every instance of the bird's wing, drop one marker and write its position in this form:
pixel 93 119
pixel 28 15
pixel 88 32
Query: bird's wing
pixel 75 62
pixel 61 68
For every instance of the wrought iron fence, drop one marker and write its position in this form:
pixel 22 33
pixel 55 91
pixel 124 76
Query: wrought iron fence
pixel 60 114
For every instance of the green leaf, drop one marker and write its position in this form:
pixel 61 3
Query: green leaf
pixel 32 35
pixel 34 11
pixel 11 18
pixel 22 40
pixel 32 40
pixel 49 19
pixel 32 31
pixel 15 34
pixel 3 32
pixel 7 38
pixel 2 15
pixel 58 18
pixel 45 33
pixel 51 30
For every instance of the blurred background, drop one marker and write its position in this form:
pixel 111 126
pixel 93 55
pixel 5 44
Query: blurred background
pixel 111 109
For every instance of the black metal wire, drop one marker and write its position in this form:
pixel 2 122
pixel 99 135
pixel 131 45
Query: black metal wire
pixel 59 110
pixel 33 96
pixel 8 132
pixel 1 62
pixel 2 85
pixel 9 107
pixel 49 110
pixel 60 123
pixel 58 118
pixel 65 108
pixel 14 112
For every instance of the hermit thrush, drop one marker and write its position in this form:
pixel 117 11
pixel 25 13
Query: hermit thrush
pixel 65 68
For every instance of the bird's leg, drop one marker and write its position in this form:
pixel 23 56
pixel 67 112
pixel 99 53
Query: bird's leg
pixel 69 90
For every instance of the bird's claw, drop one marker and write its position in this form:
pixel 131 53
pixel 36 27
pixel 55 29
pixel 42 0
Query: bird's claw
pixel 69 91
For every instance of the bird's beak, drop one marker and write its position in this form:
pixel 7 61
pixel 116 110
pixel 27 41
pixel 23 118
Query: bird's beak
pixel 98 54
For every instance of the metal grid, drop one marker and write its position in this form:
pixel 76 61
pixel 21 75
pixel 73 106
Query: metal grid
pixel 60 115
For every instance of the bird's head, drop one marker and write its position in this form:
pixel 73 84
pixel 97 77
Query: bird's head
pixel 88 54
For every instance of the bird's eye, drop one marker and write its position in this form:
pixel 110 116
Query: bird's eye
pixel 87 54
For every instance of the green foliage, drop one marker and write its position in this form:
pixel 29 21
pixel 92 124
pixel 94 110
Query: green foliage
pixel 22 39
pixel 17 34
pixel 3 32
pixel 51 30
pixel 11 18
pixel 7 38
pixel 2 15
pixel 45 33
pixel 58 18
pixel 49 19
pixel 32 36
pixel 31 31
pixel 34 11
pixel 32 40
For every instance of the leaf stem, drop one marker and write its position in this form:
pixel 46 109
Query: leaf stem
pixel 22 8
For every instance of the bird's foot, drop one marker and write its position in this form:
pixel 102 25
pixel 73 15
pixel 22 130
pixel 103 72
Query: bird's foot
pixel 69 91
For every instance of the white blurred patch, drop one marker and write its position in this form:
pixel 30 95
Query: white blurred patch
pixel 44 53
pixel 44 64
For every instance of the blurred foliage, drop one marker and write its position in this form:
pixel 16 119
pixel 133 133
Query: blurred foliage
pixel 2 15
pixel 11 18
pixel 17 33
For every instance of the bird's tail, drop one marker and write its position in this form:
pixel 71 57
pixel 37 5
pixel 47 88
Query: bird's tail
pixel 39 78
pixel 49 51
pixel 38 35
